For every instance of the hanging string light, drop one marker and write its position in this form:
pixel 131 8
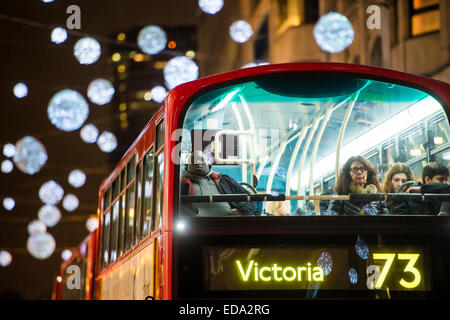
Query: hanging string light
pixel 20 90
pixel 180 70
pixel 5 258
pixel 41 245
pixel 30 155
pixel 210 6
pixel 51 192
pixel 152 39
pixel 7 166
pixel 89 133
pixel 50 215
pixel 107 141
pixel 77 178
pixel 241 31
pixel 87 50
pixel 100 91
pixel 158 94
pixel 58 35
pixel 333 32
pixel 66 254
pixel 68 110
pixel 9 150
pixel 92 224
pixel 70 202
pixel 35 227
pixel 9 203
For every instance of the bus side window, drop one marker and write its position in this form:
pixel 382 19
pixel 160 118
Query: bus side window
pixel 146 216
pixel 114 219
pixel 106 230
pixel 130 212
pixel 159 190
pixel 138 202
pixel 121 233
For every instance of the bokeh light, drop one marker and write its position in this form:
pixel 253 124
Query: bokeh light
pixel 254 64
pixel 89 133
pixel 30 155
pixel 59 35
pixel 70 202
pixel 152 39
pixel 210 6
pixel 333 32
pixel 325 262
pixel 158 94
pixel 353 276
pixel 50 215
pixel 362 249
pixel 66 254
pixel 87 50
pixel 9 150
pixel 51 192
pixel 9 203
pixel 180 70
pixel 92 224
pixel 68 110
pixel 241 31
pixel 5 258
pixel 107 141
pixel 20 90
pixel 100 91
pixel 35 227
pixel 41 245
pixel 77 178
pixel 7 166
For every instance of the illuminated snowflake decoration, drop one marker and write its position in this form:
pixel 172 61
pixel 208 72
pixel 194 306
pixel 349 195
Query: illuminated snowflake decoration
pixel 70 202
pixel 333 32
pixel 20 90
pixel 5 258
pixel 158 93
pixel 77 178
pixel 41 245
pixel 9 150
pixel 107 141
pixel 87 50
pixel 50 215
pixel 210 6
pixel 241 31
pixel 325 262
pixel 35 227
pixel 353 276
pixel 30 155
pixel 89 133
pixel 180 70
pixel 100 91
pixel 68 110
pixel 361 248
pixel 51 192
pixel 59 35
pixel 9 203
pixel 152 39
pixel 7 166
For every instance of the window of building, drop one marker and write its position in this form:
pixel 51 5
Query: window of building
pixel 424 17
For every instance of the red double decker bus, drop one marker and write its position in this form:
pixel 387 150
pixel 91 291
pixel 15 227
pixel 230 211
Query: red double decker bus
pixel 282 132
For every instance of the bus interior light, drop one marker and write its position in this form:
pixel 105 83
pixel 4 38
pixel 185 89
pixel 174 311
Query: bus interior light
pixel 180 226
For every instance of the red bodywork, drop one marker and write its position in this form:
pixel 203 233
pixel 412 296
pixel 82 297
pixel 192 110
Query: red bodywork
pixel 177 101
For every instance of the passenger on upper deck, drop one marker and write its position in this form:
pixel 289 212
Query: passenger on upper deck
pixel 397 175
pixel 199 179
pixel 358 175
pixel 435 177
pixel 277 208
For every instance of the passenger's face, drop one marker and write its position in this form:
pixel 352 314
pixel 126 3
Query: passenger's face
pixel 358 173
pixel 198 164
pixel 439 178
pixel 398 179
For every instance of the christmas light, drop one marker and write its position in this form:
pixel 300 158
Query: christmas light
pixel 87 50
pixel 100 91
pixel 180 70
pixel 30 155
pixel 333 32
pixel 152 39
pixel 241 31
pixel 68 110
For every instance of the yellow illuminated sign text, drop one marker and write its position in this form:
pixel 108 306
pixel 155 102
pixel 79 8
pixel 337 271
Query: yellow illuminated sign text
pixel 390 257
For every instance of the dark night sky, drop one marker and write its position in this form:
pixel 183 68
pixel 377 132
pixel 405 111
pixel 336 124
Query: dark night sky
pixel 27 55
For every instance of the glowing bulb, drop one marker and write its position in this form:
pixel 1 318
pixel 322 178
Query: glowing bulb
pixel 241 31
pixel 7 166
pixel 158 93
pixel 107 142
pixel 59 35
pixel 91 224
pixel 35 227
pixel 30 155
pixel 9 203
pixel 47 1
pixel 9 150
pixel 20 90
pixel 68 110
pixel 51 192
pixel 333 32
pixel 50 215
pixel 77 178
pixel 100 91
pixel 180 70
pixel 87 50
pixel 89 133
pixel 152 39
pixel 210 6
pixel 59 279
pixel 5 258
pixel 70 202
pixel 41 246
pixel 66 254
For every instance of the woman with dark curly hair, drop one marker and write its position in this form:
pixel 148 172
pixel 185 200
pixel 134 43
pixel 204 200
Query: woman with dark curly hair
pixel 358 175
pixel 397 175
